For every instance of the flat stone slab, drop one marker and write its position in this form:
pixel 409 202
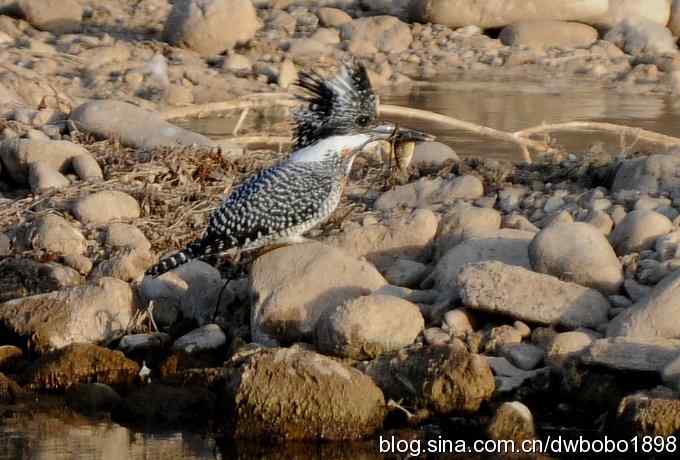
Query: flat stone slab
pixel 529 296
pixel 632 354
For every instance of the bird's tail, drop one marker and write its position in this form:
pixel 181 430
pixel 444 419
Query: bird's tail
pixel 195 249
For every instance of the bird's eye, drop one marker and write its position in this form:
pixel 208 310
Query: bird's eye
pixel 362 120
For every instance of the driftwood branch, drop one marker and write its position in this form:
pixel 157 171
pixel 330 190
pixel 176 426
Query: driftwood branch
pixel 585 126
pixel 522 138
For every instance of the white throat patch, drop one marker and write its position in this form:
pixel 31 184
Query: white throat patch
pixel 332 145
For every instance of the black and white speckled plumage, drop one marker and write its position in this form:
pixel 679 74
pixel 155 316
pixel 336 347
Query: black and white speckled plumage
pixel 285 201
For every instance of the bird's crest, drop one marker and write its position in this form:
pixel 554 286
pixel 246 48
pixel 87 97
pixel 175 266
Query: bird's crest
pixel 335 105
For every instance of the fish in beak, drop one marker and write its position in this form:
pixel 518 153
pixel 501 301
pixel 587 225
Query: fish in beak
pixel 388 131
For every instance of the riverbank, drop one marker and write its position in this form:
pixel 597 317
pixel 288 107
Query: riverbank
pixel 509 300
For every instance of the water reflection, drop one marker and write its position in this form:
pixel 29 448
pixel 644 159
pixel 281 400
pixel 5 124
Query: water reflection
pixel 511 105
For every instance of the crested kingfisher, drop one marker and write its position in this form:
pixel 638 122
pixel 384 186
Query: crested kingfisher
pixel 279 204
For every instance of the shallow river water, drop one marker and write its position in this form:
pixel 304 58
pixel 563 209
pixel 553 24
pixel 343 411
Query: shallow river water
pixel 511 105
pixel 506 105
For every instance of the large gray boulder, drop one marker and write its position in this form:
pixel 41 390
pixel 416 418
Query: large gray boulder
pixel 648 174
pixel 655 315
pixel 507 246
pixel 367 36
pixel 93 313
pixel 656 11
pixel 547 33
pixel 639 231
pixel 132 125
pixel 17 156
pixel 56 16
pixel 632 354
pixel 579 253
pixel 292 287
pixel 401 235
pixel 529 296
pixel 316 398
pixel 368 326
pixel 499 13
pixel 210 27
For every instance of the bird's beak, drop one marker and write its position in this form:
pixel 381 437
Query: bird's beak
pixel 387 131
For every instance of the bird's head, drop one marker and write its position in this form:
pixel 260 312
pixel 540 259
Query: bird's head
pixel 343 110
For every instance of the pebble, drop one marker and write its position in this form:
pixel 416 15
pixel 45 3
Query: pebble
pixel 103 207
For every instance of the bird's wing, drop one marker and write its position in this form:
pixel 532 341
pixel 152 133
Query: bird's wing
pixel 270 202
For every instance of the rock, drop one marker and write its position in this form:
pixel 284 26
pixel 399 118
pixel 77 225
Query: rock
pixel 55 235
pixel 333 17
pixel 5 244
pixel 10 391
pixel 509 378
pixel 339 401
pixel 293 286
pixel 443 379
pixel 406 273
pixel 638 231
pixel 648 174
pixel 425 192
pixel 17 154
pixel 120 235
pixel 517 221
pixel 670 374
pixel 497 337
pixel 206 338
pixel 579 253
pixel 641 37
pixel 369 326
pixel 192 287
pixel 80 363
pixel 567 345
pixel 326 36
pixel 288 74
pixel 674 22
pixel 103 207
pixel 161 405
pixel 134 343
pixel 459 322
pixel 200 25
pixel 529 296
pixel 92 313
pixel 78 262
pixel 436 337
pixel 601 221
pixel 42 177
pixel 649 414
pixel 656 11
pixel 546 34
pixel 464 222
pixel 21 277
pixel 56 16
pixel 523 355
pixel 509 198
pixel 301 49
pixel 127 265
pixel 374 34
pixel 92 398
pixel 499 13
pixel 132 125
pixel 9 357
pixel 655 315
pixel 507 246
pixel 433 154
pixel 400 236
pixel 512 421
pixel 398 8
pixel 632 354
pixel 236 62
pixel 87 168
